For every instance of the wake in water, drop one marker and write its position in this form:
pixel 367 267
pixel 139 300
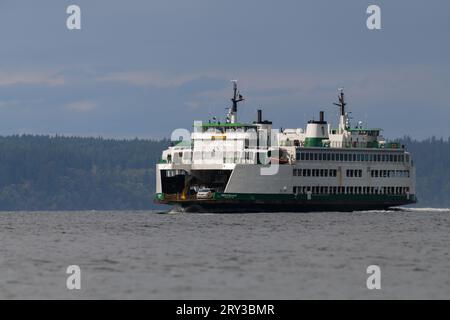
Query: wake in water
pixel 430 210
pixel 178 210
pixel 405 209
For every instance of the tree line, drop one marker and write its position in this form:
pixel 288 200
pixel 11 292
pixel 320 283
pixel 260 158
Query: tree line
pixel 432 161
pixel 76 173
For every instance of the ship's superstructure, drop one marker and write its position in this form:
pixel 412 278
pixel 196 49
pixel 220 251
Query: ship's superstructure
pixel 232 166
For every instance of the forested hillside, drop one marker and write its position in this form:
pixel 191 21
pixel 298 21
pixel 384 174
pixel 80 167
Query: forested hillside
pixel 432 159
pixel 49 173
pixel 71 173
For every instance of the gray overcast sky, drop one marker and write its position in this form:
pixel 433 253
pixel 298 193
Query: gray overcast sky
pixel 143 68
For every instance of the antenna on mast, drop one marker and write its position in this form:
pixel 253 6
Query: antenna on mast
pixel 344 117
pixel 237 97
pixel 341 104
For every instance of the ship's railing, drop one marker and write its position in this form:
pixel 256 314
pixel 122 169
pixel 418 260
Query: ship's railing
pixel 365 145
pixel 353 144
pixel 347 145
pixel 241 160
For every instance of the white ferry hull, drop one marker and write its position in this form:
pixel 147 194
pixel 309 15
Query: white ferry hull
pixel 248 190
pixel 250 167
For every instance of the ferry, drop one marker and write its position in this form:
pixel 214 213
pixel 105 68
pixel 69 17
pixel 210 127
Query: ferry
pixel 230 166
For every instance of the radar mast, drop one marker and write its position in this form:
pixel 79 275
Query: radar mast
pixel 237 97
pixel 343 116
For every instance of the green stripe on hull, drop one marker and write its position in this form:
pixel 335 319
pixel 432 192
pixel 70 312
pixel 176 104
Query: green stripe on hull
pixel 314 197
pixel 245 203
pixel 248 197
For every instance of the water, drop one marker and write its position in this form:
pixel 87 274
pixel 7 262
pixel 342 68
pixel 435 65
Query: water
pixel 148 255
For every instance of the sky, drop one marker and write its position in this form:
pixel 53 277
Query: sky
pixel 142 68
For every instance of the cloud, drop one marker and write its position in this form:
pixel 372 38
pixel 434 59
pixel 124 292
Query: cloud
pixel 46 77
pixel 128 104
pixel 81 106
pixel 147 78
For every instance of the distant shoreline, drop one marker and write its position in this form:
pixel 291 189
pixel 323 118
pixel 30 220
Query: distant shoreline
pixel 44 172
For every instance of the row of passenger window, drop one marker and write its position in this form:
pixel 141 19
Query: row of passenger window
pixel 332 156
pixel 354 173
pixel 315 172
pixel 351 173
pixel 389 173
pixel 350 190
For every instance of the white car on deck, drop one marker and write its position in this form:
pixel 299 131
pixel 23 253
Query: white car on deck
pixel 205 193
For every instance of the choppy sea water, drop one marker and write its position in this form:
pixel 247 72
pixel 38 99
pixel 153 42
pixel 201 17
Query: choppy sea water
pixel 148 255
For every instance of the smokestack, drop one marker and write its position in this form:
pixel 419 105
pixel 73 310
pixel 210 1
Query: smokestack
pixel 259 119
pixel 321 116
